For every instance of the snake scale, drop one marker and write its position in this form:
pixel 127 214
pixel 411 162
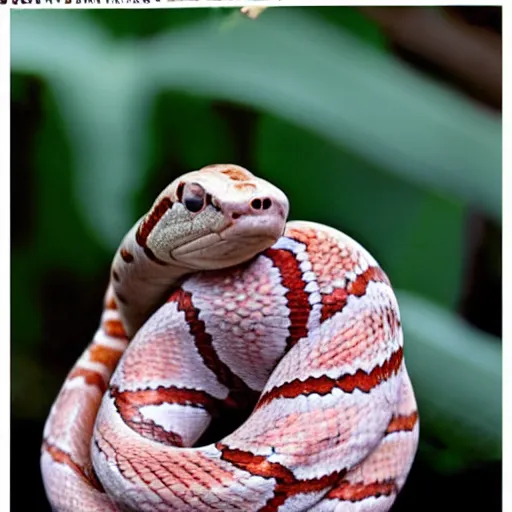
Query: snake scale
pixel 217 302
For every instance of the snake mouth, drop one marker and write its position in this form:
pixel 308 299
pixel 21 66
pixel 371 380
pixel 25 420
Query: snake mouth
pixel 236 243
pixel 221 253
pixel 269 227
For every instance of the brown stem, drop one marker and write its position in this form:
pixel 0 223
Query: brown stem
pixel 471 54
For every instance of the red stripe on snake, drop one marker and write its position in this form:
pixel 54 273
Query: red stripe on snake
pixel 128 402
pixel 335 302
pixel 297 297
pixel 105 355
pixel 126 255
pixel 286 483
pixel 348 383
pixel 348 491
pixel 114 328
pixel 91 377
pixel 403 423
pixel 147 225
pixel 111 304
pixel 62 457
pixel 240 393
pixel 150 221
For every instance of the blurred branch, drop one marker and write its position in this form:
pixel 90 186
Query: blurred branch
pixel 488 17
pixel 469 53
pixel 251 11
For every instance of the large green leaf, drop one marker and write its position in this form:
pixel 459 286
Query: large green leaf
pixel 392 116
pixel 104 105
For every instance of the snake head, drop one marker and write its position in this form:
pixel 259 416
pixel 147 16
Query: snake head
pixel 216 217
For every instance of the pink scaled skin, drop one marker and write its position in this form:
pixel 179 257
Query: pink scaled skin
pixel 214 299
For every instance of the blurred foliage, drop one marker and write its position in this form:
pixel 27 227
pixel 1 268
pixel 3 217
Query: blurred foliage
pixel 118 103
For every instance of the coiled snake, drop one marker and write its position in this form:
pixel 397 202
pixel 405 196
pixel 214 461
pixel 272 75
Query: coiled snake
pixel 221 299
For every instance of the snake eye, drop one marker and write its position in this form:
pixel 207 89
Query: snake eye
pixel 194 204
pixel 194 197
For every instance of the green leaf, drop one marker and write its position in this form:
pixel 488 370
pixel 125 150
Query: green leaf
pixel 381 110
pixel 191 130
pixel 62 239
pixel 26 319
pixel 104 107
pixel 354 22
pixel 123 23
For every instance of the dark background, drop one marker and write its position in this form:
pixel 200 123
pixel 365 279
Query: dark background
pixel 383 122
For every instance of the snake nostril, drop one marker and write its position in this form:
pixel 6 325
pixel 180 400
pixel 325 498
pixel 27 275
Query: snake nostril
pixel 256 204
pixel 235 215
pixel 261 204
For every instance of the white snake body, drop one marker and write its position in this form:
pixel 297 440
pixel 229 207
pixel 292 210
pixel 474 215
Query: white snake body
pixel 307 321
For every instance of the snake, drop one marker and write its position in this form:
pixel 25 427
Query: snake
pixel 217 303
